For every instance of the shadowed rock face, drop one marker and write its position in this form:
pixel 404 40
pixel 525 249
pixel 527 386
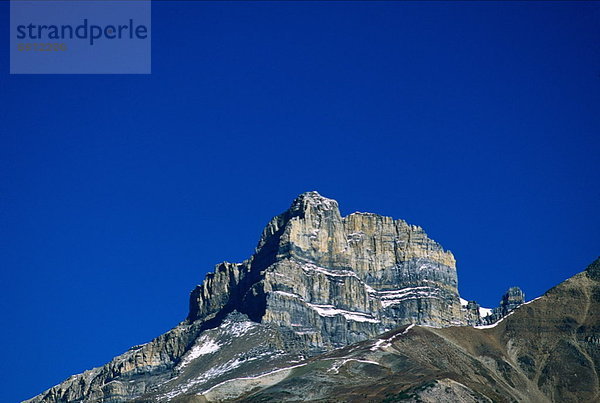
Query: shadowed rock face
pixel 336 280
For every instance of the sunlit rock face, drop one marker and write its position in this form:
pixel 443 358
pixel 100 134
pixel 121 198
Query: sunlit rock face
pixel 316 282
pixel 336 280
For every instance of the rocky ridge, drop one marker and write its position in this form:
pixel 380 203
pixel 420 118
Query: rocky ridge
pixel 316 282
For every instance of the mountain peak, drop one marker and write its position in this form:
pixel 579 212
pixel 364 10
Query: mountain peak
pixel 313 195
pixel 314 270
pixel 313 201
pixel 316 282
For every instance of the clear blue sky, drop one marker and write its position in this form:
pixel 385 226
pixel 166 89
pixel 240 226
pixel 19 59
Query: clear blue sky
pixel 478 122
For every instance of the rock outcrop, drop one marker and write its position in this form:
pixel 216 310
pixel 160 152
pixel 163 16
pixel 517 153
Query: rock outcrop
pixel 336 280
pixel 512 299
pixel 472 312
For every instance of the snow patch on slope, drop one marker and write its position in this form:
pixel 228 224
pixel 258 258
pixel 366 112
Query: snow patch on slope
pixel 493 324
pixel 330 311
pixel 335 368
pixel 393 297
pixel 204 345
pixel 510 313
pixel 385 343
pixel 287 294
pixel 529 302
pixel 237 329
pixel 212 373
pixel 309 267
pixel 483 312
pixel 232 388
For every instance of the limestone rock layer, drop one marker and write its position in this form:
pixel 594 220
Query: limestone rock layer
pixel 336 280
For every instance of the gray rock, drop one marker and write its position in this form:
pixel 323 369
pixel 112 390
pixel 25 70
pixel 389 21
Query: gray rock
pixel 336 280
pixel 512 299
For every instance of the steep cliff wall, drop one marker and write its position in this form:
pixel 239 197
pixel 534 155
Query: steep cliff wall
pixel 336 280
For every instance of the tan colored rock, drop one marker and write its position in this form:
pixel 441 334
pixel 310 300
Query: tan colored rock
pixel 336 280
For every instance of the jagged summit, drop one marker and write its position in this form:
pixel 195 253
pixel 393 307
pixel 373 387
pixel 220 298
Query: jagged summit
pixel 314 200
pixel 318 272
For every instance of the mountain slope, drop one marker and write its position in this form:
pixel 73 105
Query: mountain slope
pixel 545 351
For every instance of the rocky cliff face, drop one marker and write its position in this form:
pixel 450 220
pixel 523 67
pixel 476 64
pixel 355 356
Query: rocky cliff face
pixel 544 351
pixel 316 282
pixel 336 280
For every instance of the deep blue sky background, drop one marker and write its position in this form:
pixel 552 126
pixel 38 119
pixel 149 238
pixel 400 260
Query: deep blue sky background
pixel 478 122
